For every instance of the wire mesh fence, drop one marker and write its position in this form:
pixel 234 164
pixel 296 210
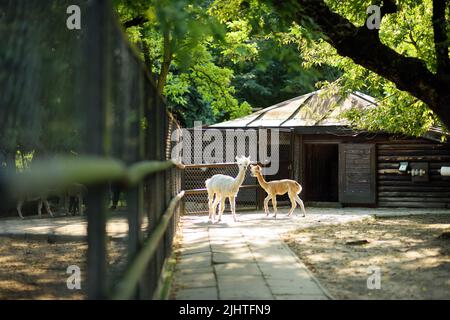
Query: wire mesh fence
pixel 200 151
pixel 70 93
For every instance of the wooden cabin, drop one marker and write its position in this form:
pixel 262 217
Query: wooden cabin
pixel 340 166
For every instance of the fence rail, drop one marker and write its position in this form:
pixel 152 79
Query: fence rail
pixel 63 171
pixel 128 284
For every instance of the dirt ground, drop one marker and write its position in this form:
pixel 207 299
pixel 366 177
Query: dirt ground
pixel 34 269
pixel 414 261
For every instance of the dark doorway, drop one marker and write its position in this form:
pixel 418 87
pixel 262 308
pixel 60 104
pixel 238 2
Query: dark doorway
pixel 321 172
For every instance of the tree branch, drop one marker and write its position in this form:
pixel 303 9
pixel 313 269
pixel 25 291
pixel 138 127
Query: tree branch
pixel 412 39
pixel 167 60
pixel 210 80
pixel 441 41
pixel 147 59
pixel 387 7
pixel 136 21
pixel 365 48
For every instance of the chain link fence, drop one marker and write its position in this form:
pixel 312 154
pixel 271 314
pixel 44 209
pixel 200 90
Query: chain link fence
pixel 207 152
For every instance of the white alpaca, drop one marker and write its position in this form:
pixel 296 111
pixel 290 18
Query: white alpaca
pixel 221 187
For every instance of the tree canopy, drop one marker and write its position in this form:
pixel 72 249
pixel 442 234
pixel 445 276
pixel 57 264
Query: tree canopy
pixel 213 63
pixel 223 57
pixel 405 64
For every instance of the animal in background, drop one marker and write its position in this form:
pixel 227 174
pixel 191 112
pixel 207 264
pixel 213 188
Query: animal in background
pixel 279 187
pixel 72 197
pixel 221 186
pixel 42 200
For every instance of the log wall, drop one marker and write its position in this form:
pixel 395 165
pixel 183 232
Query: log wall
pixel 397 189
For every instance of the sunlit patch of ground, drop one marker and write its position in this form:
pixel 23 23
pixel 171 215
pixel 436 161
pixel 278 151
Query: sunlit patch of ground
pixel 413 260
pixel 33 269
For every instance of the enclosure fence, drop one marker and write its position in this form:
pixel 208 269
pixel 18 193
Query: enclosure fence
pixel 79 105
pixel 233 142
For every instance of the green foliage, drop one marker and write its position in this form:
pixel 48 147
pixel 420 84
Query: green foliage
pixel 220 71
pixel 196 86
pixel 410 117
pixel 277 75
pixel 268 67
pixel 409 32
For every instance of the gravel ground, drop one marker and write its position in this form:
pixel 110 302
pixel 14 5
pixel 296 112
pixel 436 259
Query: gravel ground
pixel 33 269
pixel 414 260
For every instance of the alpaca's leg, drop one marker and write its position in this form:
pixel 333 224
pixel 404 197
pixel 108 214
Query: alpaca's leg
pixel 214 207
pixel 47 207
pixel 233 207
pixel 80 204
pixel 40 208
pixel 210 203
pixel 293 203
pixel 221 207
pixel 66 204
pixel 274 205
pixel 300 202
pixel 19 208
pixel 266 205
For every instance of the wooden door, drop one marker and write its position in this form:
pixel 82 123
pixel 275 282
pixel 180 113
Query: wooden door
pixel 357 173
pixel 321 176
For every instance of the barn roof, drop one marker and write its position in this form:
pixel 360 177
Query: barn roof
pixel 315 109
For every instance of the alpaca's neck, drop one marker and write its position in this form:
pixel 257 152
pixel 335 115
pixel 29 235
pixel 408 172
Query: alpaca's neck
pixel 261 180
pixel 240 177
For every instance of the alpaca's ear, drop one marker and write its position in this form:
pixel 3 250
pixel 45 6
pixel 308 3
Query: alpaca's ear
pixel 237 158
pixel 248 158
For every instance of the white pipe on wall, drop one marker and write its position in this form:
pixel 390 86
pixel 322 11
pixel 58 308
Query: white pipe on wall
pixel 445 171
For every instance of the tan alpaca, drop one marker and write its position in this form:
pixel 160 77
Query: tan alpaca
pixel 279 187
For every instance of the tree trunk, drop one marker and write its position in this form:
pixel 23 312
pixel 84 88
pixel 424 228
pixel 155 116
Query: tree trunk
pixel 442 107
pixel 167 60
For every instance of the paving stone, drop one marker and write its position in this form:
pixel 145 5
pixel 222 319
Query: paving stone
pixel 182 269
pixel 272 272
pixel 227 257
pixel 301 297
pixel 197 248
pixel 196 260
pixel 192 244
pixel 195 238
pixel 225 247
pixel 294 286
pixel 283 271
pixel 231 287
pixel 275 257
pixel 209 293
pixel 195 280
pixel 237 269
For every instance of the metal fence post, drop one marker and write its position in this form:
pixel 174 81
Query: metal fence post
pixel 95 100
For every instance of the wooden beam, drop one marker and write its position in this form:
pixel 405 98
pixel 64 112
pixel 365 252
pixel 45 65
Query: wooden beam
pixel 399 204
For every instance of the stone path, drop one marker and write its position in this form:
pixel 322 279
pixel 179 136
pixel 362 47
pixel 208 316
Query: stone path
pixel 248 259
